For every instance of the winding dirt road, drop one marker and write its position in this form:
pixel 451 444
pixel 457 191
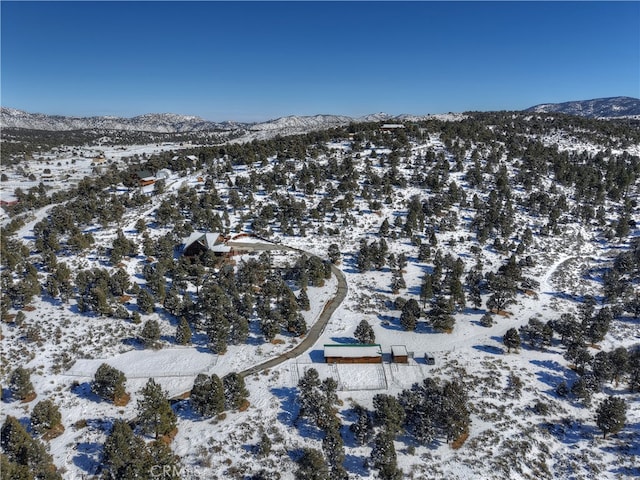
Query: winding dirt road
pixel 316 329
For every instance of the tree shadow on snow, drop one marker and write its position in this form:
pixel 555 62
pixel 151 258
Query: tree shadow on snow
pixel 184 410
pixel 356 464
pixel 83 390
pixel 344 340
pixel 492 349
pixel 390 322
pixel 570 431
pixel 88 457
pixel 288 404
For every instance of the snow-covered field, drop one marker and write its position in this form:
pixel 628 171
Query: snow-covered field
pixel 508 438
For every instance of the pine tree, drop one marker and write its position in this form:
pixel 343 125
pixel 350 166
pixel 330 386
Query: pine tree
pixel 312 466
pixel 504 293
pixel 25 454
pixel 333 447
pixel 145 301
pixel 183 332
pixel 455 414
pixel 362 428
pixel 309 397
pixel 264 446
pixel 511 339
pixel 20 384
pixel 486 320
pixel 388 413
pixel 108 383
pixel 364 333
pixel 124 454
pixel 163 461
pixel 155 415
pixel 207 395
pixel 46 417
pixel 303 300
pixel 334 254
pixel 611 415
pixel 384 457
pixel 150 333
pixel 235 391
pixel 408 321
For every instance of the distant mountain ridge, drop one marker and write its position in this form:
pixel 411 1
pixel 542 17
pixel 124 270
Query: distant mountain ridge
pixel 598 107
pixel 152 122
pixel 174 123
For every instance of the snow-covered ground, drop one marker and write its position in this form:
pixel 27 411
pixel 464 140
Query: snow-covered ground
pixel 508 438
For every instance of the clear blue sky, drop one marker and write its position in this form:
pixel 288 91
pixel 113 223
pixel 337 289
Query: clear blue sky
pixel 248 61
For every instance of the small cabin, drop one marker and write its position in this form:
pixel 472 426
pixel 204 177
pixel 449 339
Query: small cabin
pixel 399 354
pixel 353 353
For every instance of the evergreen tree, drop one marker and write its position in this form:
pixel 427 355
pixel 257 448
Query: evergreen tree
pixel 504 292
pixel 20 384
pixel 155 415
pixel 440 315
pixel 611 415
pixel 163 461
pixel 511 340
pixel 207 395
pixel 455 414
pixel 108 383
pixel 309 397
pixel 408 321
pixel 183 332
pixel 364 333
pixel 333 447
pixel 334 254
pixel 384 457
pixel 46 417
pixel 145 301
pixel 235 392
pixel 537 334
pixel 264 446
pixel 486 320
pixel 619 363
pixel 303 300
pixel 362 428
pixel 312 466
pixel 388 413
pixel 150 333
pixel 124 454
pixel 24 454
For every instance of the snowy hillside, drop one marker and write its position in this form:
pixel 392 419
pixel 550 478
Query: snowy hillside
pixel 599 107
pixel 500 251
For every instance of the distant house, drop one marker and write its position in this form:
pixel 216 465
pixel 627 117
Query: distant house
pixel 353 353
pixel 198 243
pixel 399 354
pixel 145 177
pixel 388 127
pixel 165 173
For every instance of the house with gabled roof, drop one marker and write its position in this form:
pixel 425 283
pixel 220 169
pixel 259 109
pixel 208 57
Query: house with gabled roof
pixel 198 243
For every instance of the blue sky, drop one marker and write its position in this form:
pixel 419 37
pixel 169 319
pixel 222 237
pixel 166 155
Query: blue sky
pixel 248 61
